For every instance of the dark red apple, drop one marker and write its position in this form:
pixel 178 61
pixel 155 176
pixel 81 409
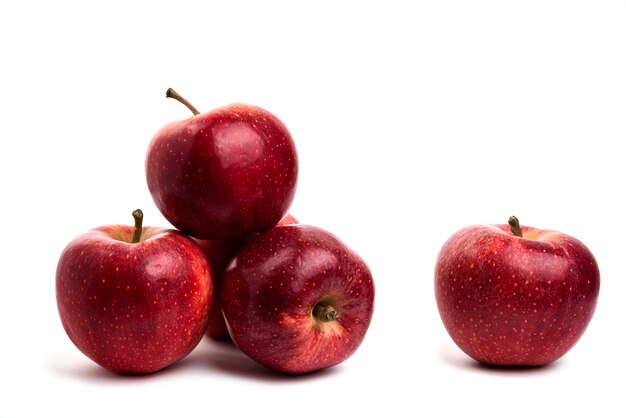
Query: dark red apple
pixel 223 174
pixel 220 254
pixel 296 299
pixel 133 299
pixel 515 296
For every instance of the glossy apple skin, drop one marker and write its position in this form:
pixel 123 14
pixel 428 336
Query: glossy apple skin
pixel 223 174
pixel 133 308
pixel 272 287
pixel 220 253
pixel 515 301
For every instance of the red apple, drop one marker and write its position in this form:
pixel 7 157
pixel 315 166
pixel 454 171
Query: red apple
pixel 223 174
pixel 220 254
pixel 134 300
pixel 515 296
pixel 297 299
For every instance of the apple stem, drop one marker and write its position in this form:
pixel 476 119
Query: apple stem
pixel 138 215
pixel 171 93
pixel 325 313
pixel 516 229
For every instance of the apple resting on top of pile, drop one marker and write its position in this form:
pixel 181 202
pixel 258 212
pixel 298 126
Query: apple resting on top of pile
pixel 512 295
pixel 224 173
pixel 137 299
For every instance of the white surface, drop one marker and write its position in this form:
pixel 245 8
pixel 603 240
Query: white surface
pixel 412 120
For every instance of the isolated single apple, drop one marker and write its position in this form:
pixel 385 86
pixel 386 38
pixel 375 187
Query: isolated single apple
pixel 223 174
pixel 133 299
pixel 220 254
pixel 296 299
pixel 515 296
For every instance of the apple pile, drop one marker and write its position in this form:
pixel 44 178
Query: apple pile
pixel 293 297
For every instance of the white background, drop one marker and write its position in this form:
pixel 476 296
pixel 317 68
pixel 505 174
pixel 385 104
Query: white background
pixel 412 120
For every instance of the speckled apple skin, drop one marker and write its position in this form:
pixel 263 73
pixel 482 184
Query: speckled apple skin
pixel 220 253
pixel 224 173
pixel 515 301
pixel 272 287
pixel 133 308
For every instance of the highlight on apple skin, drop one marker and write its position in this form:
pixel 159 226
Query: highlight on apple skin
pixel 296 299
pixel 133 299
pixel 222 174
pixel 220 253
pixel 512 295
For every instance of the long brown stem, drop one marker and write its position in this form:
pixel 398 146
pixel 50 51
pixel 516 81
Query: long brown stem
pixel 171 93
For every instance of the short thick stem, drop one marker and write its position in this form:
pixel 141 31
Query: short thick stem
pixel 516 229
pixel 325 312
pixel 171 93
pixel 138 215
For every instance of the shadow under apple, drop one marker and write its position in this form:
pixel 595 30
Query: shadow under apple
pixel 86 370
pixel 454 357
pixel 216 356
pixel 225 357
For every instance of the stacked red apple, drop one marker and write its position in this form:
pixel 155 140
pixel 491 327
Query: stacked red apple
pixel 293 297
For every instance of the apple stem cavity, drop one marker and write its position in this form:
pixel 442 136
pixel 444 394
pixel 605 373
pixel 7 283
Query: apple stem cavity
pixel 516 229
pixel 138 215
pixel 324 312
pixel 172 94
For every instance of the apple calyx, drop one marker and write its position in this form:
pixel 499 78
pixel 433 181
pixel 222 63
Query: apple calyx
pixel 138 215
pixel 324 312
pixel 172 94
pixel 516 229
